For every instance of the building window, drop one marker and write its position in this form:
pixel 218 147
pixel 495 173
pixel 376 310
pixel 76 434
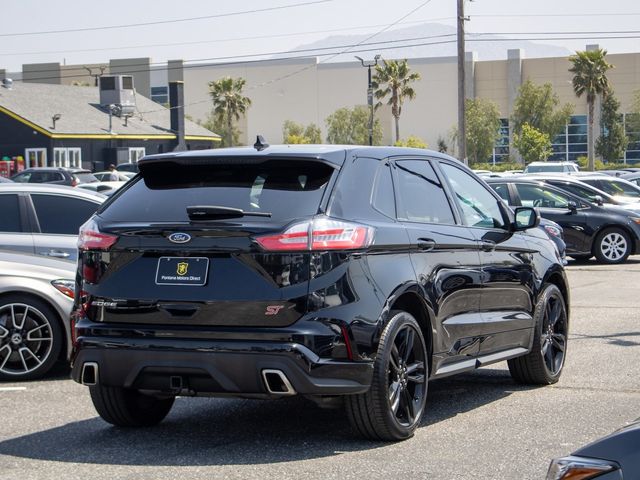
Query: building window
pixel 35 157
pixel 67 157
pixel 572 143
pixel 160 95
pixel 632 130
pixel 501 148
pixel 136 153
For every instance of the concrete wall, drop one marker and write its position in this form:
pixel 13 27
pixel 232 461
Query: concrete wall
pixel 41 73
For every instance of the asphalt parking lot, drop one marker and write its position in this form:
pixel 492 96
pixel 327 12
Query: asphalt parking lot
pixel 479 425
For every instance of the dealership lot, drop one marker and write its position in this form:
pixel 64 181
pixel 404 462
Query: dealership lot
pixel 478 425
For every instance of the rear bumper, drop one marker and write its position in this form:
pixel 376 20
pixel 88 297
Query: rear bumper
pixel 215 367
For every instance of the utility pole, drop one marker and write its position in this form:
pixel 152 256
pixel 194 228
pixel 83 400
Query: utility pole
pixel 370 64
pixel 462 143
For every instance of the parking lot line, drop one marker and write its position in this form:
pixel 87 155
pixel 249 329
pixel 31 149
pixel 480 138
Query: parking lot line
pixel 12 389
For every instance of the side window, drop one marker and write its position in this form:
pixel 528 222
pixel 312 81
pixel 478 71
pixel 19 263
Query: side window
pixel 478 206
pixel 422 196
pixel 22 177
pixel 502 189
pixel 383 198
pixel 536 196
pixel 62 215
pixel 10 218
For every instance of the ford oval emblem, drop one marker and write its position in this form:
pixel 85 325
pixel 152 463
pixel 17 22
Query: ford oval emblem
pixel 179 237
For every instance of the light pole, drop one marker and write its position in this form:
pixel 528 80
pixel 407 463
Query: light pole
pixel 369 64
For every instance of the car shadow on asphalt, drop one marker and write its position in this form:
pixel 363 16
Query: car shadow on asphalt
pixel 201 431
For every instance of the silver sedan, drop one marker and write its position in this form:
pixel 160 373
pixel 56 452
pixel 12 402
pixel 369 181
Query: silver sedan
pixel 36 296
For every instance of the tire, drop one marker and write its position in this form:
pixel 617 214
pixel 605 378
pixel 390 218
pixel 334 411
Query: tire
pixel 544 364
pixel 392 408
pixel 612 245
pixel 124 407
pixel 31 337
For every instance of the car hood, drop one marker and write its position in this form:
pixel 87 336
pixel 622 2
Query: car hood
pixel 620 445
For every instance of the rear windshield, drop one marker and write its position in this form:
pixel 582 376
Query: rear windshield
pixel 543 168
pixel 85 177
pixel 285 189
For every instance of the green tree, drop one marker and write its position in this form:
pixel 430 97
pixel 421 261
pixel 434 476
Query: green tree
pixel 483 128
pixel 533 145
pixel 393 79
pixel 539 106
pixel 293 132
pixel 412 141
pixel 219 125
pixel 589 70
pixel 348 126
pixel 613 142
pixel 228 103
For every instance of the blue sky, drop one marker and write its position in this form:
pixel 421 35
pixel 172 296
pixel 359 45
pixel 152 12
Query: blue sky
pixel 282 29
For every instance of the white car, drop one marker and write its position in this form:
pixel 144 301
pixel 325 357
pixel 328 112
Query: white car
pixel 106 176
pixel 547 167
pixel 105 188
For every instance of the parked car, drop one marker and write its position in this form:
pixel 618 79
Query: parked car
pixel 105 188
pixel 562 167
pixel 44 219
pixel 556 234
pixel 312 270
pixel 613 457
pixel 55 175
pixel 128 167
pixel 584 190
pixel 106 176
pixel 5 180
pixel 618 188
pixel 36 296
pixel 633 177
pixel 610 234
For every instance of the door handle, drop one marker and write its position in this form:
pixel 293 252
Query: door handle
pixel 487 245
pixel 426 244
pixel 56 254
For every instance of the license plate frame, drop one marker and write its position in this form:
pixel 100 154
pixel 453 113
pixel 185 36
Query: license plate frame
pixel 179 271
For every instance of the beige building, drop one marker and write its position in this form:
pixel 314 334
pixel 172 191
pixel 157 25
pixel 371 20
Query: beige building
pixel 308 91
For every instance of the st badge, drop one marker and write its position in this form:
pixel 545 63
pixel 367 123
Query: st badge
pixel 182 268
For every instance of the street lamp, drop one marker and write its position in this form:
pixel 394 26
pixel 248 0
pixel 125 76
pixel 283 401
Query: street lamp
pixel 369 64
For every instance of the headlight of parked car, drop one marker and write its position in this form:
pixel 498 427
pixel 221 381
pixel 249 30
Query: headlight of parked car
pixel 579 468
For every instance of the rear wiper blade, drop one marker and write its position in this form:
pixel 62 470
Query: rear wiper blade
pixel 211 212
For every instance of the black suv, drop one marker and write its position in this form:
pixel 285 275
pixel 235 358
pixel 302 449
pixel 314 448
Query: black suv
pixel 345 274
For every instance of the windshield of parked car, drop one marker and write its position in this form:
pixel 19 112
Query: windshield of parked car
pixel 544 168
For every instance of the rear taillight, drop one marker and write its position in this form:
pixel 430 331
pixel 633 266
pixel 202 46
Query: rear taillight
pixel 91 238
pixel 319 234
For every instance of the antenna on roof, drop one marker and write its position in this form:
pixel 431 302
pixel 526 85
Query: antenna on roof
pixel 260 144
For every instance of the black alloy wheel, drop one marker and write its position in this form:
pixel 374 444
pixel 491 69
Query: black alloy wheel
pixel 393 406
pixel 543 365
pixel 30 337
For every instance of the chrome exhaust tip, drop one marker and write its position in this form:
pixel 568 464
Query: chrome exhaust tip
pixel 89 374
pixel 277 382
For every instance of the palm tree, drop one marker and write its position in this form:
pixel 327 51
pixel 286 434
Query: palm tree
pixel 589 70
pixel 228 102
pixel 393 79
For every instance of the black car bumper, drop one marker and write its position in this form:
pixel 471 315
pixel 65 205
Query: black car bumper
pixel 215 367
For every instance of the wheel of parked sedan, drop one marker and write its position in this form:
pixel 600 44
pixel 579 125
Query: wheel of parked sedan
pixel 612 246
pixel 393 406
pixel 543 365
pixel 126 407
pixel 30 337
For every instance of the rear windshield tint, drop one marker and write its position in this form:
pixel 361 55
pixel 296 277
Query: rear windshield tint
pixel 285 189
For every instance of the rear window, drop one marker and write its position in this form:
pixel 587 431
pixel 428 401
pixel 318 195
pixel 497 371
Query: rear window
pixel 85 177
pixel 286 189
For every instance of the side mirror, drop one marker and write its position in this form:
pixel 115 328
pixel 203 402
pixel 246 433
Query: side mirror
pixel 598 200
pixel 525 218
pixel 572 206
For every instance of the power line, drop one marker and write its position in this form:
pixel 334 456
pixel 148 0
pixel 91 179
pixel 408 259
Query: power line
pixel 162 22
pixel 220 40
